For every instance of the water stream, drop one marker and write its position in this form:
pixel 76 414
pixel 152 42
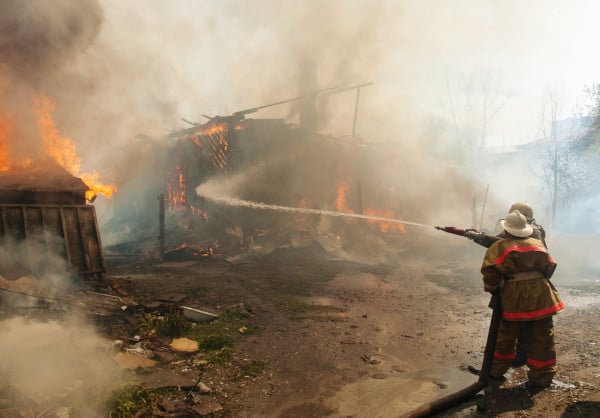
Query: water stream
pixel 232 201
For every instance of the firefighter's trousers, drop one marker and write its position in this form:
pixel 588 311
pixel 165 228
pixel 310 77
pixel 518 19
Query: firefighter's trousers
pixel 541 356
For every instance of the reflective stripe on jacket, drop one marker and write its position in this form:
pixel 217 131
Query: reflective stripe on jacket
pixel 522 300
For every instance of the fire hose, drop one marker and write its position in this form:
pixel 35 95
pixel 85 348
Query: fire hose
pixel 465 394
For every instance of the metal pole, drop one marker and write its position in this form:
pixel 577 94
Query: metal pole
pixel 355 111
pixel 161 225
pixel 483 207
pixel 359 198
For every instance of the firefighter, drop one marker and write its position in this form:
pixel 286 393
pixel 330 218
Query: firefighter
pixel 487 240
pixel 526 210
pixel 519 267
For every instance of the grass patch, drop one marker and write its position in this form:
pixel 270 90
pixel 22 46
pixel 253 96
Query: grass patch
pixel 234 313
pixel 297 309
pixel 220 356
pixel 172 325
pixel 213 342
pixel 252 368
pixel 133 401
pixel 196 292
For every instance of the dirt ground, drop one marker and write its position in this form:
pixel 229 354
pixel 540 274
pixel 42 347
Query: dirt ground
pixel 337 338
pixel 314 333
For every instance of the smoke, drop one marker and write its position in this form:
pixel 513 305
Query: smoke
pixel 39 259
pixel 38 38
pixel 39 41
pixel 51 354
pixel 116 70
pixel 55 363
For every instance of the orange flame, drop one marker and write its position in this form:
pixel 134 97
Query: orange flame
pixel 340 201
pixel 64 151
pixel 176 190
pixel 92 181
pixel 384 226
pixel 342 206
pixel 199 212
pixel 214 137
pixel 304 203
pixel 5 131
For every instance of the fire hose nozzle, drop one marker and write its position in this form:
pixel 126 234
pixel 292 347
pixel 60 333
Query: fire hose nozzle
pixel 454 230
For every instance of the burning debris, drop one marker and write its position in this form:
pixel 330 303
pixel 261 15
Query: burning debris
pixel 42 200
pixel 269 160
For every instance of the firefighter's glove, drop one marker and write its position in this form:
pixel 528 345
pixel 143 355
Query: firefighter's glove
pixel 493 289
pixel 472 234
pixel 489 288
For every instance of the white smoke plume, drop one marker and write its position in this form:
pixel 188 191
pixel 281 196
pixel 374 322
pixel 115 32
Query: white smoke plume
pixel 56 362
pixel 120 69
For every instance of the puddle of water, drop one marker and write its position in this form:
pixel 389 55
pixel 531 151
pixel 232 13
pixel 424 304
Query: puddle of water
pixel 398 394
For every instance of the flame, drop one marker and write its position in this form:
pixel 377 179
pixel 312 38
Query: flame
pixel 199 212
pixel 61 149
pixel 5 131
pixel 64 151
pixel 92 180
pixel 304 203
pixel 176 190
pixel 214 136
pixel 384 226
pixel 342 206
pixel 340 201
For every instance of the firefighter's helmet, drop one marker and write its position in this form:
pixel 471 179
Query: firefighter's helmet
pixel 516 224
pixel 524 208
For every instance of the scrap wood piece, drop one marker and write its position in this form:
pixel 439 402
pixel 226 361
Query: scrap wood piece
pixel 132 361
pixel 208 407
pixel 185 345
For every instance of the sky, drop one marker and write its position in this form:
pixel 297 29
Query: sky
pixel 137 67
pixel 217 57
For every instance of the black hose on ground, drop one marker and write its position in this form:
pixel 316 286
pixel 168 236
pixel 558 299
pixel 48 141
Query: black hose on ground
pixel 467 393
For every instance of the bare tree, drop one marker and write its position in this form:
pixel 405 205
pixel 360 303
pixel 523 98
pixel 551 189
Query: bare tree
pixel 563 168
pixel 473 103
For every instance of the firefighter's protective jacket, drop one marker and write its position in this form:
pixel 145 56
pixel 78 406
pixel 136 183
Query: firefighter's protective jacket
pixel 520 268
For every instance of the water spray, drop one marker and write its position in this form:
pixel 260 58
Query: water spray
pixel 232 201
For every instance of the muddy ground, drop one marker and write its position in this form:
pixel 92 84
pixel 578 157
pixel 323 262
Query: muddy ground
pixel 338 338
pixel 318 334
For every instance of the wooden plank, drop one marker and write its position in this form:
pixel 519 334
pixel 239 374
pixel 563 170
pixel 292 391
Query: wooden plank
pixel 65 235
pixel 91 233
pixel 69 230
pixel 86 242
pixel 14 223
pixel 3 222
pixel 102 264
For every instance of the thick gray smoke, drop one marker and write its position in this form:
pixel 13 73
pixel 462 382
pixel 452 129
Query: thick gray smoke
pixel 117 70
pixel 39 43
pixel 38 37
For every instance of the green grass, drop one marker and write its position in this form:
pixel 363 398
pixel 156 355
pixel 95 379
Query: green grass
pixel 172 325
pixel 132 401
pixel 214 342
pixel 252 368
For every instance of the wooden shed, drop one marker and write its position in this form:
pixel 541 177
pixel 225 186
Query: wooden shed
pixel 47 205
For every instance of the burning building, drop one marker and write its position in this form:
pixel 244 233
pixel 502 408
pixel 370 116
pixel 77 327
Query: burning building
pixel 43 202
pixel 276 161
pixel 47 205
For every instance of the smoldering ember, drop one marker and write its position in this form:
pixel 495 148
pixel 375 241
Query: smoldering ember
pixel 210 302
